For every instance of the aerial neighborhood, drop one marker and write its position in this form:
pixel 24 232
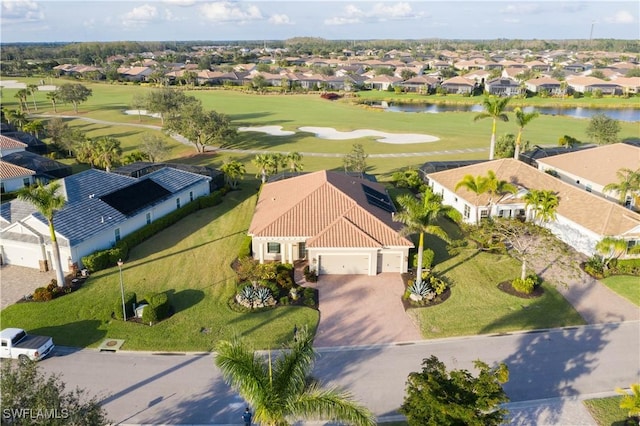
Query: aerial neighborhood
pixel 382 197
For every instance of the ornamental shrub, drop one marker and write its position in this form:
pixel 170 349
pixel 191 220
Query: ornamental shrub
pixel 525 286
pixel 130 299
pixel 42 294
pixel 427 259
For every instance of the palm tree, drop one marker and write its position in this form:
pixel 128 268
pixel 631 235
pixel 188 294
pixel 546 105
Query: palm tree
pixel 21 95
pixel 522 118
pixel 53 97
pixel 32 89
pixel 497 186
pixel 476 184
pixel 294 159
pixel 421 217
pixel 610 248
pixel 493 108
pixel 107 152
pixel 280 390
pixel 34 127
pixel 233 172
pixel 47 200
pixel 262 162
pixel 544 204
pixel 17 118
pixel 628 183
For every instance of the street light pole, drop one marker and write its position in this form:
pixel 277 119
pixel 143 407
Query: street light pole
pixel 124 309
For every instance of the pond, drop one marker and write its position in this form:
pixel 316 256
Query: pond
pixel 622 114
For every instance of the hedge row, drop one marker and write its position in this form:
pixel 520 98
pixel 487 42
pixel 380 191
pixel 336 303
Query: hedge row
pixel 107 258
pixel 130 299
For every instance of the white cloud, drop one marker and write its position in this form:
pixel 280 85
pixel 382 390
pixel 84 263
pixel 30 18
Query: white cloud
pixel 140 15
pixel 230 12
pixel 89 23
pixel 280 20
pixel 20 11
pixel 378 13
pixel 521 9
pixel 620 17
pixel 182 3
pixel 169 16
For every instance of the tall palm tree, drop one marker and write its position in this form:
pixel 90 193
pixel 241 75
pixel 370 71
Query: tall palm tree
pixel 493 108
pixel 21 95
pixel 294 159
pixel 47 200
pixel 476 184
pixel 233 172
pixel 34 127
pixel 544 204
pixel 262 162
pixel 421 217
pixel 628 183
pixel 32 89
pixel 53 97
pixel 522 118
pixel 281 391
pixel 17 118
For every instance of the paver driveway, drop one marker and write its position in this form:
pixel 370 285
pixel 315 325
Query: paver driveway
pixel 362 310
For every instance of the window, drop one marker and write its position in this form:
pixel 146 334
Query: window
pixel 117 234
pixel 177 203
pixel 148 218
pixel 631 244
pixel 467 211
pixel 26 181
pixel 484 213
pixel 190 195
pixel 302 250
pixel 273 247
pixel 588 187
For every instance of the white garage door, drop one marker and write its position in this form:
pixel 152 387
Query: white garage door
pixel 21 255
pixel 390 262
pixel 337 264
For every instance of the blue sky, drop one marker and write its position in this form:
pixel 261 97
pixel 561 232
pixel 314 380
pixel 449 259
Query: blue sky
pixel 176 20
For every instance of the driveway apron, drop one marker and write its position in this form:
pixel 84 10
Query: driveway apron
pixel 362 310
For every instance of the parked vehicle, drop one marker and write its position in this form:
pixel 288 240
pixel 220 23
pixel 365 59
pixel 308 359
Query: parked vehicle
pixel 17 344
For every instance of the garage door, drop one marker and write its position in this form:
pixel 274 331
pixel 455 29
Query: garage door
pixel 21 255
pixel 390 262
pixel 336 264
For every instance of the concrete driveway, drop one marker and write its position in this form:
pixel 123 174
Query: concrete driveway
pixel 362 310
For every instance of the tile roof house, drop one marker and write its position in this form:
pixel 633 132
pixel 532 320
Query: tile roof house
pixel 101 208
pixel 593 169
pixel 339 223
pixel 14 177
pixel 583 218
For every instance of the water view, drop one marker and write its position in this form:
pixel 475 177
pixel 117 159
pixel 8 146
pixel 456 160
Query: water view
pixel 623 114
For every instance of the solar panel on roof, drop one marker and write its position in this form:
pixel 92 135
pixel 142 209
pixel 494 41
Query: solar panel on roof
pixel 378 199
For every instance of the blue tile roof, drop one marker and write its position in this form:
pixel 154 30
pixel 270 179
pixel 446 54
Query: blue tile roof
pixel 86 215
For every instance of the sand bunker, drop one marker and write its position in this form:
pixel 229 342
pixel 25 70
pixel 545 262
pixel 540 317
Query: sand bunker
pixel 270 130
pixel 333 134
pixel 15 84
pixel 142 112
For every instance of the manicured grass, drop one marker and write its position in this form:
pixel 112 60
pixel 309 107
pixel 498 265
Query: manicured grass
pixel 626 286
pixel 477 306
pixel 191 262
pixel 607 411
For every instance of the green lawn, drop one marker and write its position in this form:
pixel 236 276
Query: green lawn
pixel 607 411
pixel 191 262
pixel 477 306
pixel 626 286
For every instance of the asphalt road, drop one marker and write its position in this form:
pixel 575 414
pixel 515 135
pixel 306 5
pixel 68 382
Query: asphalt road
pixel 145 388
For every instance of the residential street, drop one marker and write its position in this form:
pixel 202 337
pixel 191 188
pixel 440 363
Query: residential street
pixel 145 388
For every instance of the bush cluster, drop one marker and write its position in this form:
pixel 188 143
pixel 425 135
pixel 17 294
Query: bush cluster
pixel 309 275
pixel 595 267
pixel 157 309
pixel 130 299
pixel 51 291
pixel 527 285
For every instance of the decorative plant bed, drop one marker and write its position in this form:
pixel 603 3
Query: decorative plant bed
pixel 506 287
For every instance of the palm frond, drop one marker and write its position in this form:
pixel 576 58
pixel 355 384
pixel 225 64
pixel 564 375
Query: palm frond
pixel 331 403
pixel 243 370
pixel 292 369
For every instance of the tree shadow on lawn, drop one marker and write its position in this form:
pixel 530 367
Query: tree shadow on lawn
pixel 83 333
pixel 184 299
pixel 236 119
pixel 262 141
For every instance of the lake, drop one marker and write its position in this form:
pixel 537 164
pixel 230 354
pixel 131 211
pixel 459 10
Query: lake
pixel 623 114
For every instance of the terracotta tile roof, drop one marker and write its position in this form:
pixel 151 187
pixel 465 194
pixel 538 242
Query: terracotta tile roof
pixel 598 164
pixel 328 208
pixel 9 171
pixel 594 213
pixel 10 143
